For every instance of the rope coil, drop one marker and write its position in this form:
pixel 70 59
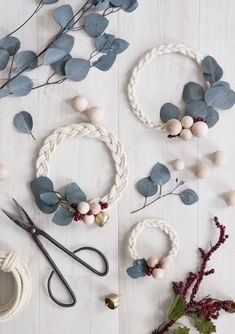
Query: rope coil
pixel 11 263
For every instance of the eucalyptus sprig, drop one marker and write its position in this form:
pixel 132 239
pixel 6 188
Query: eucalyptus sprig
pixel 91 18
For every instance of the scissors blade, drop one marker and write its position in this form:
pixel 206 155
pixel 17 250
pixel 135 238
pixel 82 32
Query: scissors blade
pixel 25 217
pixel 16 220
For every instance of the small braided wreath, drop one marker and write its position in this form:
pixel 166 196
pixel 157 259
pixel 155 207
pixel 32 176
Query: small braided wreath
pixel 200 113
pixel 73 206
pixel 153 266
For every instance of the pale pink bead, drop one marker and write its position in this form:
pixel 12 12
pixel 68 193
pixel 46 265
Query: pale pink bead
pixel 152 261
pixel 95 208
pixel 83 207
pixel 158 273
pixel 89 219
pixel 165 262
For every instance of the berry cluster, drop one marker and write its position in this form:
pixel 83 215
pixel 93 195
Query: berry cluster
pixel 90 212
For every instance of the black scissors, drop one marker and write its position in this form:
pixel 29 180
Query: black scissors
pixel 27 224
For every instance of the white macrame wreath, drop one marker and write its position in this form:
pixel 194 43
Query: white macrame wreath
pixel 11 263
pixel 153 266
pixel 92 211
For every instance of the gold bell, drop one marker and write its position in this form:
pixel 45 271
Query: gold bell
pixel 101 219
pixel 112 301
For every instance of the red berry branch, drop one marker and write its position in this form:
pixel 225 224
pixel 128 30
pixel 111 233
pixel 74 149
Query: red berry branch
pixel 204 311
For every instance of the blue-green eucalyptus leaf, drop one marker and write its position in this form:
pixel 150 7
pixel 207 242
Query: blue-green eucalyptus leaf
pixel 116 3
pixel 228 101
pixel 63 217
pixel 216 94
pixel 59 66
pixel 189 197
pixel 11 44
pixel 21 85
pixel 102 5
pixel 129 5
pixel 41 185
pixel 76 69
pixel 196 109
pixel 74 194
pixel 104 63
pixel 95 24
pixel 4 92
pixel 45 208
pixel 49 2
pixel 26 60
pixel 139 269
pixel 211 70
pixel 104 42
pixel 169 111
pixel 146 187
pixel 193 91
pixel 64 42
pixel 119 45
pixel 212 117
pixel 4 58
pixel 23 121
pixel 160 174
pixel 50 198
pixel 64 16
pixel 53 55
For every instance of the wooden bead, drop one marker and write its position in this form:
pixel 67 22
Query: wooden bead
pixel 3 172
pixel 165 262
pixel 201 170
pixel 89 219
pixel 95 114
pixel 200 129
pixel 186 134
pixel 173 127
pixel 83 208
pixel 219 158
pixel 158 273
pixel 152 261
pixel 95 208
pixel 230 198
pixel 187 122
pixel 178 164
pixel 80 103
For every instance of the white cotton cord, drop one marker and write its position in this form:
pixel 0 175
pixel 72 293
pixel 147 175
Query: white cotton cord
pixel 93 131
pixel 145 61
pixel 11 263
pixel 153 223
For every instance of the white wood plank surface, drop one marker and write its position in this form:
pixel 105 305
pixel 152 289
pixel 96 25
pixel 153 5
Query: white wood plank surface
pixel 206 25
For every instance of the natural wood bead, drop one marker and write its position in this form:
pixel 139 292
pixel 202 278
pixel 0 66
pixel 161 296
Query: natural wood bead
pixel 83 207
pixel 158 273
pixel 165 262
pixel 152 261
pixel 173 127
pixel 219 158
pixel 95 114
pixel 230 198
pixel 178 164
pixel 200 129
pixel 3 172
pixel 89 219
pixel 95 208
pixel 186 134
pixel 80 103
pixel 187 122
pixel 201 170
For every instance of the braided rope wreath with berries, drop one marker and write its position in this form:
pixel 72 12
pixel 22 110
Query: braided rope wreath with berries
pixel 200 112
pixel 153 266
pixel 73 205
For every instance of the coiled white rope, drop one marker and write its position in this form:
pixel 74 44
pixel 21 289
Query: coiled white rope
pixel 11 263
pixel 145 61
pixel 93 131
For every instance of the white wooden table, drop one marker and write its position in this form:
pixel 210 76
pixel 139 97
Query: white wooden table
pixel 206 25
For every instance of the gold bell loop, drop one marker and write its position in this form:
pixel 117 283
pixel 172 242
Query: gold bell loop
pixel 102 218
pixel 112 301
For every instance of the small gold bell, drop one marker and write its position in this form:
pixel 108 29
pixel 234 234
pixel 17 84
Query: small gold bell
pixel 112 301
pixel 101 219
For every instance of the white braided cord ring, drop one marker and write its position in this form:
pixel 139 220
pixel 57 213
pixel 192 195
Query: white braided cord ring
pixel 93 131
pixel 11 263
pixel 154 266
pixel 139 68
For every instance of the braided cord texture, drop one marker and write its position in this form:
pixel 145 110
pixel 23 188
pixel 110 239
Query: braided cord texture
pixel 153 223
pixel 97 132
pixel 145 61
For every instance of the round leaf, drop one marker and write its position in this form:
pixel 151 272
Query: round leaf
pixel 4 92
pixel 196 109
pixel 21 85
pixel 49 2
pixel 64 16
pixel 26 60
pixel 216 94
pixel 119 45
pixel 63 217
pixel 211 70
pixel 64 42
pixel 74 194
pixel 50 198
pixel 189 197
pixel 129 5
pixel 59 66
pixel 41 185
pixel 104 42
pixel 169 111
pixel 102 5
pixel 95 24
pixel 229 100
pixel 11 44
pixel 53 55
pixel 160 174
pixel 212 117
pixel 104 63
pixel 146 187
pixel 45 208
pixel 23 122
pixel 193 91
pixel 76 69
pixel 4 58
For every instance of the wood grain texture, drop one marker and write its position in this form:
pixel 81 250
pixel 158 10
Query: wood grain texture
pixel 206 25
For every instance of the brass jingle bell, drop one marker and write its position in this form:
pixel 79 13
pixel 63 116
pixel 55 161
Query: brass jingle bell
pixel 112 301
pixel 101 219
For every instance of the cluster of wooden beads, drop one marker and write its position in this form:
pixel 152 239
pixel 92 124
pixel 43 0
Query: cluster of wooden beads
pixel 94 114
pixel 156 267
pixel 90 213
pixel 186 128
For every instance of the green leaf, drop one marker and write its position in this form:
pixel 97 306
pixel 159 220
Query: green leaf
pixel 181 330
pixel 63 217
pixel 177 308
pixel 189 197
pixel 50 198
pixel 193 92
pixel 204 325
pixel 64 16
pixel 76 69
pixel 169 111
pixel 23 122
pixel 74 194
pixel 41 185
pixel 160 174
pixel 146 187
pixel 211 70
pixel 21 85
pixel 95 24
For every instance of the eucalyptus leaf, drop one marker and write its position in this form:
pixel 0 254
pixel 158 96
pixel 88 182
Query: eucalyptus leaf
pixel 49 2
pixel 95 24
pixel 177 308
pixel 59 66
pixel 63 217
pixel 211 70
pixel 139 269
pixel 49 198
pixel 102 5
pixel 26 60
pixel 119 45
pixel 169 111
pixel 193 91
pixel 4 92
pixel 45 208
pixel 23 122
pixel 11 44
pixel 74 194
pixel 64 16
pixel 41 185
pixel 21 85
pixel 4 58
pixel 129 5
pixel 104 42
pixel 204 325
pixel 160 174
pixel 116 3
pixel 228 102
pixel 64 42
pixel 189 197
pixel 212 117
pixel 53 55
pixel 216 94
pixel 146 187
pixel 104 63
pixel 196 109
pixel 76 69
